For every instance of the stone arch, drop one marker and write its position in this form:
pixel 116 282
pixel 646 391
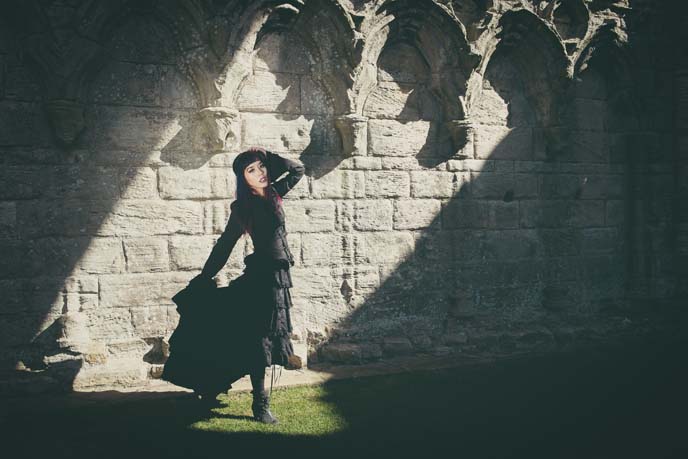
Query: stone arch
pixel 421 25
pixel 570 18
pixel 539 56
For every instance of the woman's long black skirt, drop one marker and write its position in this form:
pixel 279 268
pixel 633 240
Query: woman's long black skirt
pixel 226 333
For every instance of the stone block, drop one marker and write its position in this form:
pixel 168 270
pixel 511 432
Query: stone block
pixel 511 244
pixel 615 212
pixel 143 218
pixel 560 242
pixel 84 182
pixel 146 255
pixel 400 163
pixel 600 240
pixel 135 128
pixel 323 249
pixel 134 290
pixel 280 52
pixel 306 216
pixel 606 186
pixel 138 183
pixel 368 163
pixel 395 138
pixel 394 346
pixel 150 322
pixel 471 165
pixel 135 84
pixel 8 220
pixel 460 214
pixel 387 184
pixel 24 182
pixel 281 133
pixel 312 284
pixel 341 353
pixel 270 92
pixel 585 146
pixel 373 215
pixel 434 245
pixel 108 324
pixel 102 256
pixel 589 114
pixel 177 183
pixel 500 142
pixel 383 247
pixel 557 213
pixel 23 123
pixel 488 185
pixel 366 278
pixel 339 184
pixel 436 184
pixel 188 253
pixel 392 100
pixel 314 98
pixel 416 213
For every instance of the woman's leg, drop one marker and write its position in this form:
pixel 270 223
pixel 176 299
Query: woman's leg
pixel 261 401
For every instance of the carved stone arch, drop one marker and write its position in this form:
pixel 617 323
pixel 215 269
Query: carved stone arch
pixel 329 34
pixel 439 38
pixel 539 55
pixel 607 53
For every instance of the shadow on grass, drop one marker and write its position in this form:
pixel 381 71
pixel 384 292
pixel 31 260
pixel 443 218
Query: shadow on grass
pixel 625 401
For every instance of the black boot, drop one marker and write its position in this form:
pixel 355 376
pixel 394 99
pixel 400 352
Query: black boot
pixel 261 408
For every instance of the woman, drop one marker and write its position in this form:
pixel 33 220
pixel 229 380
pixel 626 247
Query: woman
pixel 252 319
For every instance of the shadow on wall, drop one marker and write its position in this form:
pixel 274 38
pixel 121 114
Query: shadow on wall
pixel 508 242
pixel 527 247
pixel 80 236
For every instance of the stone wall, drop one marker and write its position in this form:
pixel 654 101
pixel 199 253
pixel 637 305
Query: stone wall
pixel 481 176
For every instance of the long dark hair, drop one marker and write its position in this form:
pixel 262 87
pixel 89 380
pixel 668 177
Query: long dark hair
pixel 246 200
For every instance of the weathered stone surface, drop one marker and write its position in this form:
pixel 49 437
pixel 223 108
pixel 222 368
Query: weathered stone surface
pixel 480 214
pixel 497 142
pixel 140 218
pixel 23 124
pixel 396 138
pixel 322 249
pixel 135 290
pixel 8 220
pixel 339 184
pixel 310 216
pixel 488 185
pixel 397 346
pixel 138 183
pixel 103 256
pixel 137 128
pixel 436 184
pixel 387 184
pixel 391 100
pixel 177 183
pixel 146 255
pixel 416 213
pixel 271 93
pixel 190 252
pixel 383 246
pixel 373 214
pixel 282 133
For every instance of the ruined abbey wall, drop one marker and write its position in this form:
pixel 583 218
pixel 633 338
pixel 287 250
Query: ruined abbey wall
pixel 481 175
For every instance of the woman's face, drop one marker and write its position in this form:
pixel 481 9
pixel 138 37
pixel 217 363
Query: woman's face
pixel 256 175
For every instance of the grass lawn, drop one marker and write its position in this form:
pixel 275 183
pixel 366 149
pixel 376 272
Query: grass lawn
pixel 626 401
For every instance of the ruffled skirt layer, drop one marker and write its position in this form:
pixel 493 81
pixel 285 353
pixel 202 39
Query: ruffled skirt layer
pixel 225 333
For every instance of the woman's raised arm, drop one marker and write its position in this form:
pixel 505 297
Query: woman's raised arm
pixel 278 165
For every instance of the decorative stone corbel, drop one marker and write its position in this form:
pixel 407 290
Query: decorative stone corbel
pixel 461 135
pixel 67 120
pixel 354 132
pixel 217 128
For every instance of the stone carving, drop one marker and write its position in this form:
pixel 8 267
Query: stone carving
pixel 217 128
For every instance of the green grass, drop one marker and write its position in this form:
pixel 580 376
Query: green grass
pixel 300 410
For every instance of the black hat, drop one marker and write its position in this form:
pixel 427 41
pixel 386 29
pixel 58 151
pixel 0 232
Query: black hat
pixel 245 158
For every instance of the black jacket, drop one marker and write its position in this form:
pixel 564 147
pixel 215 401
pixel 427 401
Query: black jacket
pixel 269 232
